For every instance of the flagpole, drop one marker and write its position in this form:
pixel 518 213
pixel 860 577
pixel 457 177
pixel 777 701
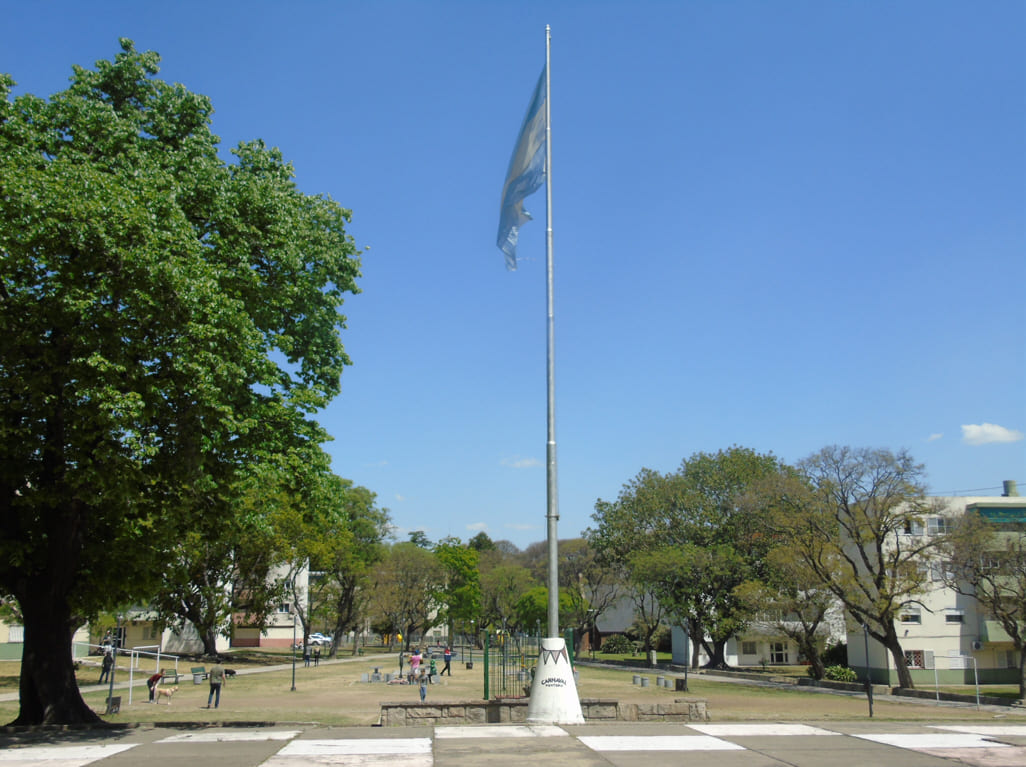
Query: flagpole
pixel 554 697
pixel 552 509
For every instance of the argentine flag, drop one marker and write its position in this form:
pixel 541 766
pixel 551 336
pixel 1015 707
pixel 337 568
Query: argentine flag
pixel 525 175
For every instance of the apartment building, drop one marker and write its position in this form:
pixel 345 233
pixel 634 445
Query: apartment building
pixel 949 638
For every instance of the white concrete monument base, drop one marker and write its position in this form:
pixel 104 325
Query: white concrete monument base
pixel 554 692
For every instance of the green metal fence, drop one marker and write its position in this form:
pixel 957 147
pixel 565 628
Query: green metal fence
pixel 509 662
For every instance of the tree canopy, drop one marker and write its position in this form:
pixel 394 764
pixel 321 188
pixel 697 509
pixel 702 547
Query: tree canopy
pixel 688 540
pixel 166 317
pixel 844 521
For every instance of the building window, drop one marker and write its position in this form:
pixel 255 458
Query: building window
pixel 913 527
pixel 910 615
pixel 941 571
pixel 749 648
pixel 954 617
pixel 285 608
pixel 778 652
pixel 938 526
pixel 914 658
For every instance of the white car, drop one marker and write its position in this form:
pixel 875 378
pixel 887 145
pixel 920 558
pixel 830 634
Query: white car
pixel 317 639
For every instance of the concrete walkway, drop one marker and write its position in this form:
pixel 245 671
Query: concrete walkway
pixel 743 744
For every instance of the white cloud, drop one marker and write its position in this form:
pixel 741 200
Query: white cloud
pixel 478 527
pixel 521 463
pixel 934 437
pixel 400 498
pixel 987 433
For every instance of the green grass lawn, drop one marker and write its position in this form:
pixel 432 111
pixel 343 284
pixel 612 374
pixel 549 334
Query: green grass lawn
pixel 334 694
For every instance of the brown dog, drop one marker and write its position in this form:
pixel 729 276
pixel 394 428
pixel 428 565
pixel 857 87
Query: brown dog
pixel 167 692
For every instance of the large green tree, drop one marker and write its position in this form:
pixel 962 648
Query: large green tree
pixel 634 525
pixel 689 540
pixel 405 582
pixel 502 586
pixel 459 597
pixel 165 315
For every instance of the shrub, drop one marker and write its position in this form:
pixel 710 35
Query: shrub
pixel 835 655
pixel 840 674
pixel 617 644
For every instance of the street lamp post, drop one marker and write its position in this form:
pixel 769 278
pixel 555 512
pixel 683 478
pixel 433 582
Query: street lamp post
pixel 591 632
pixel 869 679
pixel 293 648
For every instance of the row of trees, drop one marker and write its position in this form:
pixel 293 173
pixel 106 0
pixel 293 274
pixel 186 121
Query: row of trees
pixel 482 586
pixel 735 536
pixel 728 539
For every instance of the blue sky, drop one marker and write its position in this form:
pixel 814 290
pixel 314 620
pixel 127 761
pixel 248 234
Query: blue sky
pixel 782 225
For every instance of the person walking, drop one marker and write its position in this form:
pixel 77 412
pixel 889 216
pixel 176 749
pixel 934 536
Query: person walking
pixel 306 656
pixel 317 656
pixel 216 678
pixel 423 685
pixel 105 666
pixel 447 657
pixel 433 672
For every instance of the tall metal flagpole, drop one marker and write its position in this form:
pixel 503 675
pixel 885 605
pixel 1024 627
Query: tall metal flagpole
pixel 552 509
pixel 554 690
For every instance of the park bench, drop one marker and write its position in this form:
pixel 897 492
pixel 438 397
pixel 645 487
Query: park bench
pixel 199 673
pixel 171 677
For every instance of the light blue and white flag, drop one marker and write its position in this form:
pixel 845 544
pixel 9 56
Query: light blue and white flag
pixel 525 175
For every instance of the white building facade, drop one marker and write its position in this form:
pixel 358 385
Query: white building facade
pixel 948 639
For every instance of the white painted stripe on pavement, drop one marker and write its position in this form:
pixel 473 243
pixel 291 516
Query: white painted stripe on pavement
pixel 502 731
pixel 391 746
pixel 65 756
pixel 984 729
pixel 760 729
pixel 657 743
pixel 351 760
pixel 933 740
pixel 217 736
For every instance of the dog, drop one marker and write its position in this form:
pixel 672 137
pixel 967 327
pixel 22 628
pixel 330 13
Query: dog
pixel 230 672
pixel 167 692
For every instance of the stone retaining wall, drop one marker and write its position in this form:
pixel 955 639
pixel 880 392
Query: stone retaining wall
pixel 414 714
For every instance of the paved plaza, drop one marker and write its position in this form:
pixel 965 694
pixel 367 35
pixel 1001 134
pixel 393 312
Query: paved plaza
pixel 854 744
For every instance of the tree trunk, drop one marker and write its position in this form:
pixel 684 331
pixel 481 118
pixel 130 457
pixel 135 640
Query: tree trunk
pixel 893 644
pixel 1022 672
pixel 49 690
pixel 717 658
pixel 209 637
pixel 807 645
pixel 650 631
